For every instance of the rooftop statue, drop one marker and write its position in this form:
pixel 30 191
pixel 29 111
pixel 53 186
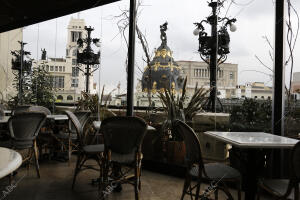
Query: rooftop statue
pixel 44 54
pixel 163 35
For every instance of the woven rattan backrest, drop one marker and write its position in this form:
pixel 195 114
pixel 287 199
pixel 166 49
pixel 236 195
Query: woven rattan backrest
pixel 40 109
pixel 26 125
pixel 123 135
pixel 192 143
pixel 76 123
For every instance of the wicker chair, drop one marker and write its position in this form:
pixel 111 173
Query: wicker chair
pixel 21 109
pixel 123 137
pixel 39 109
pixel 85 152
pixel 283 188
pixel 71 138
pixel 24 128
pixel 45 139
pixel 196 169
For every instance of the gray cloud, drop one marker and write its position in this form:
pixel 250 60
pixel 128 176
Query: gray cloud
pixel 254 21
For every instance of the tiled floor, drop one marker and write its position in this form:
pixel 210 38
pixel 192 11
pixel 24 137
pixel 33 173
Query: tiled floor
pixel 56 178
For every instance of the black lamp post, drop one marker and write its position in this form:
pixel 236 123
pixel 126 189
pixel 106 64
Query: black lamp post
pixel 22 66
pixel 210 47
pixel 87 55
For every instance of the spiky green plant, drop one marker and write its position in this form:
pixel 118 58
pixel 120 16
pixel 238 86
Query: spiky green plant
pixel 91 102
pixel 178 108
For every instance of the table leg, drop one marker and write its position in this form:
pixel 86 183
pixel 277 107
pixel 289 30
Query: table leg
pixel 250 177
pixel 254 165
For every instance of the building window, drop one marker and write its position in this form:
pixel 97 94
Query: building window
pixel 60 68
pixel 67 52
pixel 59 97
pixel 69 98
pixel 73 61
pixel 56 68
pixel 269 97
pixel 262 97
pixel 231 76
pixel 74 82
pixel 64 68
pixel 51 68
pixel 74 52
pixel 58 81
pixel 255 97
pixel 75 71
pixel 75 35
pixel 47 68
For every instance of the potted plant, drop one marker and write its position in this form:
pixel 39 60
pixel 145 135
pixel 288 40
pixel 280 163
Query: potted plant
pixel 98 108
pixel 183 108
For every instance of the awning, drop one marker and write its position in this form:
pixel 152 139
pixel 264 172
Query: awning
pixel 19 13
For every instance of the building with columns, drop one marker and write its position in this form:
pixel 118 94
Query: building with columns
pixel 198 73
pixel 68 80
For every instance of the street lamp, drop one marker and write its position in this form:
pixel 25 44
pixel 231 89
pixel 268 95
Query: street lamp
pixel 214 49
pixel 22 66
pixel 87 55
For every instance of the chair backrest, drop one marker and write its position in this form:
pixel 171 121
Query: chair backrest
pixel 123 135
pixel 295 161
pixel 192 143
pixel 40 109
pixel 20 109
pixel 24 127
pixel 77 126
pixel 83 117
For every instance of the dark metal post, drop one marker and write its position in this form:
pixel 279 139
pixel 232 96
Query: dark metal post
pixel 89 30
pixel 213 56
pixel 131 52
pixel 278 82
pixel 21 73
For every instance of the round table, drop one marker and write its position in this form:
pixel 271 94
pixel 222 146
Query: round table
pixel 9 162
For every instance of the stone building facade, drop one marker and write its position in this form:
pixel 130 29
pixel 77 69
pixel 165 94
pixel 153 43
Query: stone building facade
pixel 255 90
pixel 198 73
pixel 68 80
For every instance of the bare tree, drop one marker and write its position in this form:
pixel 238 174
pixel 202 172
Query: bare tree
pixel 123 24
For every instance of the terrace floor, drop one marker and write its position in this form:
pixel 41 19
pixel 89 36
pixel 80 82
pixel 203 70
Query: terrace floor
pixel 56 179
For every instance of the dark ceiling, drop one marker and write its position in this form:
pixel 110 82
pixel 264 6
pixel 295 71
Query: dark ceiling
pixel 19 13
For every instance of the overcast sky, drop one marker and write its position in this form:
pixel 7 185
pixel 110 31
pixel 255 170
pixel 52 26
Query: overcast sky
pixel 255 19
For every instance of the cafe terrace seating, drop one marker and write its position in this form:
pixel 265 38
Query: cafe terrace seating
pixel 123 137
pixel 285 188
pixel 85 152
pixel 70 138
pixel 195 167
pixel 24 128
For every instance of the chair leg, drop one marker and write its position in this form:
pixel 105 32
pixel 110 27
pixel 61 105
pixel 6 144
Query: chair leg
pixel 136 187
pixel 239 190
pixel 198 188
pixel 186 185
pixel 69 151
pixel 77 168
pixel 36 159
pixel 10 177
pixel 216 194
pixel 296 191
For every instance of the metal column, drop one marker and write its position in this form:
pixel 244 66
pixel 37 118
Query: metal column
pixel 131 52
pixel 278 85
